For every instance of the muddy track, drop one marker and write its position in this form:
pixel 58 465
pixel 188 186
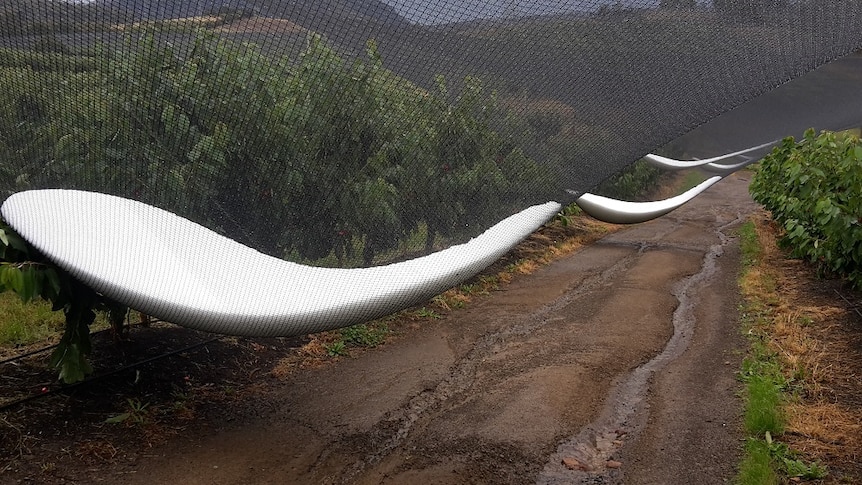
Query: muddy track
pixel 615 359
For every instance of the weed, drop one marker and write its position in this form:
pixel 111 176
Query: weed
pixel 136 413
pixel 749 245
pixel 805 321
pixel 489 282
pixel 469 288
pixel 762 364
pixel 761 370
pixel 565 216
pixel 180 398
pixel 364 335
pixel 336 348
pixel 791 464
pixel 427 313
pixel 800 373
pixel 766 376
pixel 455 298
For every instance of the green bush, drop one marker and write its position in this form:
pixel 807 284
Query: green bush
pixel 814 191
pixel 309 157
pixel 632 183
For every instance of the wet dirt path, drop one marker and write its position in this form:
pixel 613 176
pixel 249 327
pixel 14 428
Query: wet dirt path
pixel 622 354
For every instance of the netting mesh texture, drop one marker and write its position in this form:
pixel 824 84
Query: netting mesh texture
pixel 350 133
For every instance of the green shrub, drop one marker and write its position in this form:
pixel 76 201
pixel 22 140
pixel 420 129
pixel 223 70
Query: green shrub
pixel 632 183
pixel 330 156
pixel 311 157
pixel 814 191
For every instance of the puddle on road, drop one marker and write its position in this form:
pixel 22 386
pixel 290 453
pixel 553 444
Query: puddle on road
pixel 588 456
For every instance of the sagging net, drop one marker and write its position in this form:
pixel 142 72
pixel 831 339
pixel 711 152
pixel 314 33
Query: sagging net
pixel 350 133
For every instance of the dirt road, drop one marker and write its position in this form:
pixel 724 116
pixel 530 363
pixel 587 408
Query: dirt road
pixel 618 360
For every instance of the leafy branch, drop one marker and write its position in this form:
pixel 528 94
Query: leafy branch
pixel 30 275
pixel 814 190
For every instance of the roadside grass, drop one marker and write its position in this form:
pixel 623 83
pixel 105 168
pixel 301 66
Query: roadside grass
pixel 25 326
pixel 763 406
pixel 756 467
pixel 774 371
pixel 750 246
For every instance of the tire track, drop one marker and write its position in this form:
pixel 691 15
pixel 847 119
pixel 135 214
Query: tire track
pixel 397 427
pixel 595 445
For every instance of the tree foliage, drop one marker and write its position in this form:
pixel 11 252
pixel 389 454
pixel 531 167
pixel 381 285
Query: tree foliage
pixel 814 191
pixel 312 157
pixel 308 158
pixel 631 183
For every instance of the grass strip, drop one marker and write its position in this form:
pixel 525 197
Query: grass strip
pixel 23 324
pixel 767 387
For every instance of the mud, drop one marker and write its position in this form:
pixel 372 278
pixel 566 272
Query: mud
pixel 622 354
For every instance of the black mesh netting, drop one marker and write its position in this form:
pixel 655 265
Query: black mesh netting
pixel 351 132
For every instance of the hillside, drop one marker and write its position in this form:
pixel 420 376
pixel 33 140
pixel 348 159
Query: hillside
pixel 39 16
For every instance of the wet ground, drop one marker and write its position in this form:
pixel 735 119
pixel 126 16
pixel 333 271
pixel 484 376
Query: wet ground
pixel 613 365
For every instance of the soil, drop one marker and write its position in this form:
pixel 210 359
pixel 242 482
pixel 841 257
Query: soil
pixel 615 364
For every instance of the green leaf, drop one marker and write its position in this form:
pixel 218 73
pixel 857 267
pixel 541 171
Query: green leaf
pixel 5 281
pixel 205 145
pixel 71 362
pixel 12 278
pixel 16 242
pixel 168 117
pixel 30 287
pixel 51 286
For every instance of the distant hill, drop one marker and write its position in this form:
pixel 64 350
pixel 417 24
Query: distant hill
pixel 42 16
pixel 304 11
pixel 449 12
pixel 34 16
pixel 160 9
